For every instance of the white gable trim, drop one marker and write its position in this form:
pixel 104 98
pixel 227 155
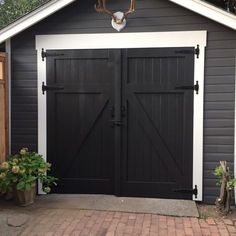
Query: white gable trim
pixel 214 13
pixel 32 18
pixel 130 40
pixel 198 6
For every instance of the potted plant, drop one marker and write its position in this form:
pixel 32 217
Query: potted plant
pixel 20 175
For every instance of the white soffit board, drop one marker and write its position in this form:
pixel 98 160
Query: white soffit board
pixel 32 18
pixel 205 9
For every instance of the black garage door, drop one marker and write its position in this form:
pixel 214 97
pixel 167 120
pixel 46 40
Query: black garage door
pixel 118 124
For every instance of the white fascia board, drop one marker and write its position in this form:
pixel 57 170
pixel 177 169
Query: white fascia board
pixel 205 9
pixel 122 40
pixel 32 18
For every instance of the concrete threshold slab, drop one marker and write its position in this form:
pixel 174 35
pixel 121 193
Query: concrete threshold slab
pixel 168 207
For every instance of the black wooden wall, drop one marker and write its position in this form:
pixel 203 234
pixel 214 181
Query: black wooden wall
pixel 151 16
pixel 2 47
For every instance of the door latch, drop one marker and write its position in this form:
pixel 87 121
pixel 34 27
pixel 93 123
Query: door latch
pixel 116 123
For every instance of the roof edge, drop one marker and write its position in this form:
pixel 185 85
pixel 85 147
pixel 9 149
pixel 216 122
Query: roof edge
pixel 200 7
pixel 209 11
pixel 32 18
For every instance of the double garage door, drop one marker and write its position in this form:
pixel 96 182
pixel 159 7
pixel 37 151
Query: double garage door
pixel 119 121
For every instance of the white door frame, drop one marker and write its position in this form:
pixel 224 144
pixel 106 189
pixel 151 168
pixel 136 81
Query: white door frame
pixel 130 40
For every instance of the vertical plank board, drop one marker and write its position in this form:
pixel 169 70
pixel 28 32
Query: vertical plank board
pixel 3 109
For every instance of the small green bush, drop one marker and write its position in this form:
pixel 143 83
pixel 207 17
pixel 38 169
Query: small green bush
pixel 221 174
pixel 22 170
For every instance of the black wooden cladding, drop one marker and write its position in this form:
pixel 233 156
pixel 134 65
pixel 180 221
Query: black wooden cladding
pixel 80 140
pixel 2 47
pixel 157 141
pixel 151 16
pixel 94 118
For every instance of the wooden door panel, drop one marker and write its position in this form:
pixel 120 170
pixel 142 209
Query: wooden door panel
pixel 80 138
pixel 85 137
pixel 165 114
pixel 120 126
pixel 157 138
pixel 156 135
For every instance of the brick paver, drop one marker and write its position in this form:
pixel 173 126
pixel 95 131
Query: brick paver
pixel 73 222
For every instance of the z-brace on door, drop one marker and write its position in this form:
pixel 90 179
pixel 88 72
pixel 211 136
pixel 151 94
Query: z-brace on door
pixel 121 121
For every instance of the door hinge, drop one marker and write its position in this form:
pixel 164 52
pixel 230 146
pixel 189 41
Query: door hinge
pixel 45 54
pixel 194 87
pixel 196 51
pixel 188 191
pixel 50 88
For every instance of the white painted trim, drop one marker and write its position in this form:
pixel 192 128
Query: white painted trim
pixel 198 113
pixel 210 11
pixel 42 113
pixel 131 40
pixel 8 51
pixel 121 40
pixel 32 18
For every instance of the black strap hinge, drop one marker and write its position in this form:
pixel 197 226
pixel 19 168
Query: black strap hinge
pixel 196 51
pixel 50 88
pixel 194 87
pixel 45 54
pixel 188 191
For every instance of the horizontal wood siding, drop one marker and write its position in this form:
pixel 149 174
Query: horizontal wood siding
pixel 2 47
pixel 151 15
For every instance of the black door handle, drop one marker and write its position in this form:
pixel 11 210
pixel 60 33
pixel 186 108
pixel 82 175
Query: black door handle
pixel 51 88
pixel 194 87
pixel 116 123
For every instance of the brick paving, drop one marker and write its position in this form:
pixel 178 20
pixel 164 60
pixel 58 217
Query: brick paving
pixel 73 222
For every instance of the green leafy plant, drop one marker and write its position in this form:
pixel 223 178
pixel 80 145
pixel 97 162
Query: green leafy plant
pixel 221 174
pixel 22 171
pixel 227 182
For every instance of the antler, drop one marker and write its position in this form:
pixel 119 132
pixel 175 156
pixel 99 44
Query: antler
pixel 130 11
pixel 101 8
pixel 131 8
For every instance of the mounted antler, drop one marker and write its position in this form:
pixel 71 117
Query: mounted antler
pixel 101 8
pixel 131 9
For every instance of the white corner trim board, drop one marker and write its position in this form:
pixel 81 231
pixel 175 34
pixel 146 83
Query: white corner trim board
pixel 130 40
